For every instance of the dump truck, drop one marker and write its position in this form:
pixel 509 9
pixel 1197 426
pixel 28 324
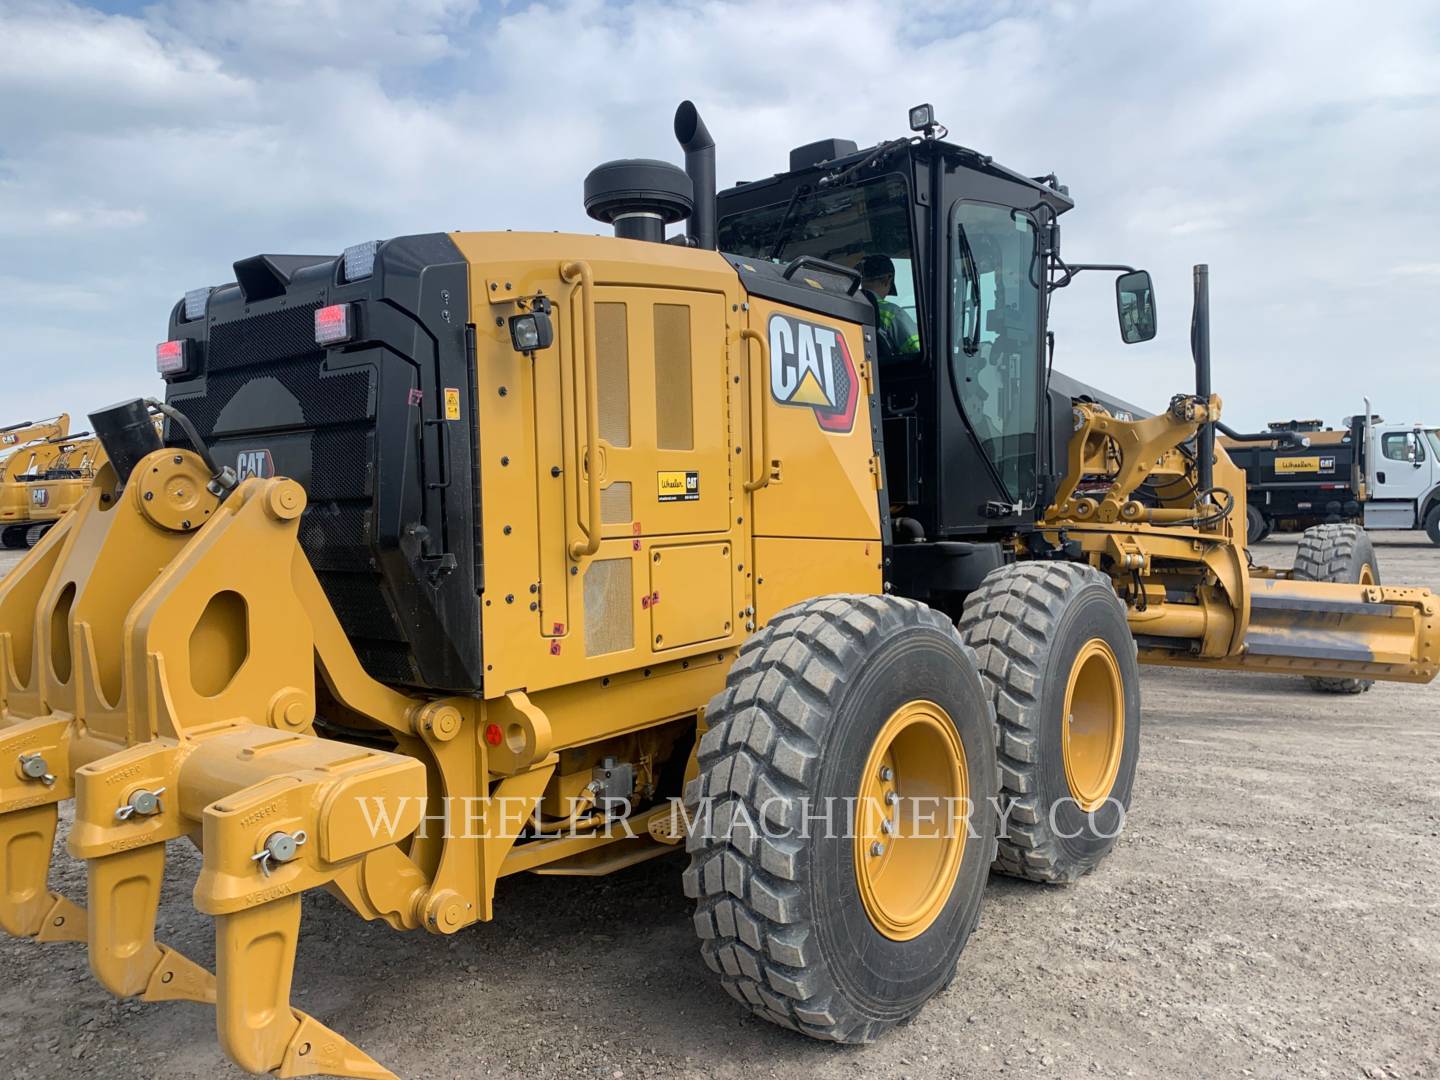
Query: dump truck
pixel 466 555
pixel 1382 475
pixel 26 450
pixel 1304 475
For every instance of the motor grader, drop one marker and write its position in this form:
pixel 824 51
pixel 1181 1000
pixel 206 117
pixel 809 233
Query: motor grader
pixel 26 450
pixel 591 547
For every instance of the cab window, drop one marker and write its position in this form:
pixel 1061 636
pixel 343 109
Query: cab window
pixel 865 227
pixel 996 287
pixel 1402 446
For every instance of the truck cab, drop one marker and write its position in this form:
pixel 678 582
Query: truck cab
pixel 1402 475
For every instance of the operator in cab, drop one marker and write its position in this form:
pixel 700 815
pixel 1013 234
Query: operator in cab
pixel 899 336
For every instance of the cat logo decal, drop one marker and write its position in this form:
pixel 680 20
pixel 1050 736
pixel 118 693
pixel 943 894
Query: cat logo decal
pixel 811 368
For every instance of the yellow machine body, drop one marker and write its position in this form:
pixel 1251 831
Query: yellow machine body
pixel 160 642
pixel 170 660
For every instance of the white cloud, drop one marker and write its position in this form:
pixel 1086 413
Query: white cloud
pixel 1290 147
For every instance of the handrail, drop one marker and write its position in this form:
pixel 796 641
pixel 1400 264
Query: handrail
pixel 824 266
pixel 570 272
pixel 762 450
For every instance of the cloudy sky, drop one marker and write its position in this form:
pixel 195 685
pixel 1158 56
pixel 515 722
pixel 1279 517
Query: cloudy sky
pixel 1295 147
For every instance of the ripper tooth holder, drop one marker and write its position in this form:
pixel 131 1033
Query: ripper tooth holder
pixel 30 798
pixel 158 659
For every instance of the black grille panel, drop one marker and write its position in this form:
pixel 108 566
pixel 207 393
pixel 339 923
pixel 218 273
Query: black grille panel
pixel 353 598
pixel 323 397
pixel 335 536
pixel 361 428
pixel 287 334
pixel 344 463
pixel 258 370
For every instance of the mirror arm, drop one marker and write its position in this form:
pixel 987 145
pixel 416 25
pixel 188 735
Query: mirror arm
pixel 1075 268
pixel 1071 269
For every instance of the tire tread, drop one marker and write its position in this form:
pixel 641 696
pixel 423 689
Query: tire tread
pixel 1008 621
pixel 1327 553
pixel 762 748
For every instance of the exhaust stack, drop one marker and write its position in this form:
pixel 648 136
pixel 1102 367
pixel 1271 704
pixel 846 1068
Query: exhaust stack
pixel 694 138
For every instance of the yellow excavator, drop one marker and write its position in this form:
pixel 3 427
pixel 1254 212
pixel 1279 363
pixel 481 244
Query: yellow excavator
pixel 774 540
pixel 55 489
pixel 26 450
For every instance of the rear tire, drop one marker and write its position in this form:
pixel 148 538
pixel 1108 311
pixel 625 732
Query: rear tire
pixel 1432 524
pixel 1343 554
pixel 786 911
pixel 1039 630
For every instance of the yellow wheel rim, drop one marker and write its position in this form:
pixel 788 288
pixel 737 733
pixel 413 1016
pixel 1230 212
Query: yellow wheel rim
pixel 1367 575
pixel 1093 724
pixel 911 820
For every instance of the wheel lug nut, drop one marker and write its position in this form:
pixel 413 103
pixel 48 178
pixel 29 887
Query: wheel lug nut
pixel 892 797
pixel 887 774
pixel 886 827
pixel 877 848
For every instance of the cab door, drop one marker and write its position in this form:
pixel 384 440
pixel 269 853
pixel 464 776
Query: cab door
pixel 995 363
pixel 1403 471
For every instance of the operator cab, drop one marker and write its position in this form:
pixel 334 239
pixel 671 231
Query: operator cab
pixel 958 255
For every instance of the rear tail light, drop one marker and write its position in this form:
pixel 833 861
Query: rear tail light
pixel 334 324
pixel 172 358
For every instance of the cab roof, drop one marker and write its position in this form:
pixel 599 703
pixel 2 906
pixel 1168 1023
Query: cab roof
pixel 836 156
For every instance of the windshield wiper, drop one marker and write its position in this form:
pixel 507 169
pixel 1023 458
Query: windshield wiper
pixel 970 345
pixel 782 235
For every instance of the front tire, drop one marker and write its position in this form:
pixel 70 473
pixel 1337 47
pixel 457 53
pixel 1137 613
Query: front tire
pixel 1343 554
pixel 842 932
pixel 1432 524
pixel 1056 650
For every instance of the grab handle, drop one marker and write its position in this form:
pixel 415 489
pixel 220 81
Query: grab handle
pixel 762 448
pixel 590 526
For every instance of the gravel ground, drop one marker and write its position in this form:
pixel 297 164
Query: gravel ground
pixel 1273 910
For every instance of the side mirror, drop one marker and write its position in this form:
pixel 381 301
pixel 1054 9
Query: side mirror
pixel 1135 304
